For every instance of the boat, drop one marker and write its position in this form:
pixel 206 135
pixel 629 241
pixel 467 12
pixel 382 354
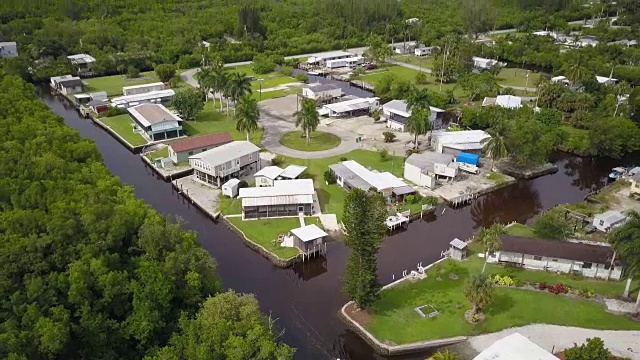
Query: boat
pixel 617 172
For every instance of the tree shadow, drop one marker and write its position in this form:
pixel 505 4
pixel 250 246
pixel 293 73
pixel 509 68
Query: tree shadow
pixel 502 302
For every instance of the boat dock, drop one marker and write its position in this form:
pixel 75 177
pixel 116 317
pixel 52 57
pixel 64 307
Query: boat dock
pixel 204 197
pixel 397 221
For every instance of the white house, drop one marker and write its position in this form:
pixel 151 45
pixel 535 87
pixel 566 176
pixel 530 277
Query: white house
pixel 156 121
pixel 515 347
pixel 484 64
pixel 606 80
pixel 588 41
pixel 561 80
pixel 284 198
pixel 346 62
pixel 322 92
pixel 320 59
pixel 424 50
pixel 625 42
pixel 141 89
pixel 608 220
pixel 350 174
pixel 424 169
pixel 586 259
pixel 8 49
pixel 406 47
pixel 455 142
pixel 397 114
pixel 154 97
pixel 232 160
pixel 308 239
pixel 67 84
pixel 505 101
pixel 230 188
pixel 269 174
pixel 353 107
pixel 82 62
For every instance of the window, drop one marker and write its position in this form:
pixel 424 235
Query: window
pixel 608 266
pixel 587 265
pixel 251 156
pixel 537 258
pixel 601 222
pixel 190 153
pixel 554 260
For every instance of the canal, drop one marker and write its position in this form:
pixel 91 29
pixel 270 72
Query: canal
pixel 305 299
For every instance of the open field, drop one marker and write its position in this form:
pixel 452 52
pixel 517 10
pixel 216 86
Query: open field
pixel 520 230
pixel 518 77
pixel 213 121
pixel 113 84
pixel 393 318
pixel 407 74
pixel 318 141
pixel 159 154
pixel 264 232
pixel 123 126
pixel 425 61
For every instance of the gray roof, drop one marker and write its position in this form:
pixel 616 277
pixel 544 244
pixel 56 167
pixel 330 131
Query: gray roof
pixel 426 160
pixel 70 83
pixel 458 244
pixel 611 217
pixel 8 43
pixel 353 179
pixel 401 105
pixel 227 152
pixel 98 95
pixel 97 102
pixel 323 87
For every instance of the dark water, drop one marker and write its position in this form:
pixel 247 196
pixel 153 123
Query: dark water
pixel 306 298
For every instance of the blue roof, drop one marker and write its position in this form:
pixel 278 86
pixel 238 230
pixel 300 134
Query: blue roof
pixel 468 158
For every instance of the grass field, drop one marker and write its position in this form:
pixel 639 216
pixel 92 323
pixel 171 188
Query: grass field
pixel 520 230
pixel 274 93
pixel 518 77
pixel 123 126
pixel 264 232
pixel 113 84
pixel 230 206
pixel 497 177
pixel 393 319
pixel 213 121
pixel 270 80
pixel 425 61
pixel 407 74
pixel 318 140
pixel 159 154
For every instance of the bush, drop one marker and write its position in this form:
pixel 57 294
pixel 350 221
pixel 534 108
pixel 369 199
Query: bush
pixel 542 286
pixel 286 70
pixel 551 225
pixel 412 151
pixel 430 200
pixel 384 155
pixel 358 71
pixel 586 293
pixel 410 199
pixel 375 115
pixel 302 78
pixel 174 81
pixel 342 158
pixel 242 184
pixel 388 136
pixel 503 280
pixel 277 160
pixel 421 78
pixel 115 111
pixel 263 64
pixel 330 177
pixel 132 72
pixel 165 72
pixel 558 288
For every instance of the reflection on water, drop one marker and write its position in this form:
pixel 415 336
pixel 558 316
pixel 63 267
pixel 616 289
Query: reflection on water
pixel 310 269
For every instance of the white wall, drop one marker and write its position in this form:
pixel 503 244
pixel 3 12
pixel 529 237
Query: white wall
pixel 395 126
pixel 263 181
pixel 415 175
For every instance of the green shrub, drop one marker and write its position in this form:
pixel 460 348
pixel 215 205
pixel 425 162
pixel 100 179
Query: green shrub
pixel 421 78
pixel 342 158
pixel 384 154
pixel 411 199
pixel 286 70
pixel 388 136
pixel 430 200
pixel 551 225
pixel 277 160
pixel 302 78
pixel 242 184
pixel 133 72
pixel 330 177
pixel 115 111
pixel 412 151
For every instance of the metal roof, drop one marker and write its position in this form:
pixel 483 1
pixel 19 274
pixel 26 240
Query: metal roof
pixel 363 178
pixel 293 171
pixel 323 87
pixel 351 105
pixel 151 95
pixel 515 347
pixel 400 107
pixel 605 79
pixel 309 233
pixel 8 43
pixel 460 137
pixel 283 192
pixel 329 55
pixel 270 172
pixel 142 86
pixel 458 244
pixel 81 58
pixel 227 152
pixel 585 252
pixel 232 182
pixel 277 200
pixel 149 114
pixel 610 217
pixel 426 159
pixel 509 101
pixel 203 141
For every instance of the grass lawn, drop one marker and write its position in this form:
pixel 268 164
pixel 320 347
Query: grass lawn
pixel 272 79
pixel 113 84
pixel 230 206
pixel 520 230
pixel 425 61
pixel 274 93
pixel 123 126
pixel 518 77
pixel 404 73
pixel 213 121
pixel 393 318
pixel 331 197
pixel 263 232
pixel 158 154
pixel 318 140
pixel 497 177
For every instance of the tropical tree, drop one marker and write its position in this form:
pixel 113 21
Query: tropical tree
pixel 578 69
pixel 378 50
pixel 488 237
pixel 418 98
pixel 247 115
pixel 205 81
pixel 419 123
pixel 444 355
pixel 625 240
pixel 495 147
pixel 239 87
pixel 188 103
pixel 479 291
pixel 307 118
pixel 220 80
pixel 165 72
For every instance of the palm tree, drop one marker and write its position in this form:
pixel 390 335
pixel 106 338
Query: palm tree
pixel 247 115
pixel 488 238
pixel 220 83
pixel 419 123
pixel 626 242
pixel 444 355
pixel 418 98
pixel 479 291
pixel 239 87
pixel 307 118
pixel 495 147
pixel 578 70
pixel 205 81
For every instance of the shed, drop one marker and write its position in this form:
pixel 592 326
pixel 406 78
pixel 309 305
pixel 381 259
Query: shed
pixel 230 188
pixel 309 239
pixel 467 158
pixel 608 220
pixel 267 175
pixel 457 249
pixel 293 171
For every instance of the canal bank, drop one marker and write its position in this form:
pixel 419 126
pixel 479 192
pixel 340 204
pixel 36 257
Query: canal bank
pixel 288 294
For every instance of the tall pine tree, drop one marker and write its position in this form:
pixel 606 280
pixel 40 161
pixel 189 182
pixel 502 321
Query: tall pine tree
pixel 364 215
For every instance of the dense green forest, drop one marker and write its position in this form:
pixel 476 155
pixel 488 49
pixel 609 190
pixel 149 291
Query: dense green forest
pixel 141 33
pixel 87 271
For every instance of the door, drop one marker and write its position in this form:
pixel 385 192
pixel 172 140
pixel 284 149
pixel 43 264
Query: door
pixel 300 208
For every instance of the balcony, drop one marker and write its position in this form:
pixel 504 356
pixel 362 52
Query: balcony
pixel 228 170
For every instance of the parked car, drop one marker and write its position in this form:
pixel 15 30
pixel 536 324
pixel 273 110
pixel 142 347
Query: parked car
pixel 370 66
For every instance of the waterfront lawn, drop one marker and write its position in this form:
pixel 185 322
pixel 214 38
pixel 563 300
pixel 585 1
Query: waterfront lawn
pixel 407 74
pixel 123 126
pixel 113 84
pixel 518 77
pixel 497 177
pixel 272 94
pixel 269 80
pixel 520 230
pixel 332 197
pixel 424 62
pixel 318 140
pixel 392 319
pixel 211 121
pixel 158 154
pixel 230 206
pixel 264 232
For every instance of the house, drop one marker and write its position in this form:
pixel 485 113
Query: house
pixel 322 92
pixel 353 107
pixel 586 259
pixel 425 50
pixel 608 220
pixel 267 175
pixel 457 249
pixel 424 169
pixel 82 62
pixel 455 142
pixel 635 184
pixel 157 97
pixel 606 80
pixel 142 89
pixel 180 150
pixel 625 42
pixel 505 101
pixel 515 347
pixel 406 47
pixel 350 174
pixel 67 84
pixel 284 198
pixel 230 188
pixel 397 114
pixel 587 40
pixel 485 64
pixel 8 49
pixel 156 121
pixel 98 106
pixel 320 59
pixel 232 160
pixel 412 21
pixel 346 62
pixel 309 239
pixel 561 80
